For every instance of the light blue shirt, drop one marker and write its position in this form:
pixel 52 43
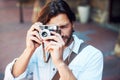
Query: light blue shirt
pixel 87 65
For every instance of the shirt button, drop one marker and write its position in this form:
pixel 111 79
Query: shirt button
pixel 53 69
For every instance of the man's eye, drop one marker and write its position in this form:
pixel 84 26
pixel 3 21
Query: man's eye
pixel 63 27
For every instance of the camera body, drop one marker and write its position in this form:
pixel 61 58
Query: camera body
pixel 46 30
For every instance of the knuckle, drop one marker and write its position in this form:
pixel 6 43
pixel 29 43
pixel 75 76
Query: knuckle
pixel 63 44
pixel 60 45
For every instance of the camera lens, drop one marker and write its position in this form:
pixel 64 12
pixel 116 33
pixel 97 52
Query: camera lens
pixel 44 34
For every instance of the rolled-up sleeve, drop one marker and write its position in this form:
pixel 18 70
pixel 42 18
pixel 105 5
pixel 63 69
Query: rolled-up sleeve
pixel 8 72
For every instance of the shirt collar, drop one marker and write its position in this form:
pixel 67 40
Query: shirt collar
pixel 76 43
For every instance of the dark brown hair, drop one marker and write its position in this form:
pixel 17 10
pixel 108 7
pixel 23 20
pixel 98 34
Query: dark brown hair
pixel 53 8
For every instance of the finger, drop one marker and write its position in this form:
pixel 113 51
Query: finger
pixel 57 35
pixel 52 45
pixel 36 27
pixel 37 45
pixel 33 38
pixel 55 39
pixel 49 38
pixel 36 34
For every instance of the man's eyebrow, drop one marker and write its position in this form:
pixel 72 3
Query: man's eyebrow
pixel 64 25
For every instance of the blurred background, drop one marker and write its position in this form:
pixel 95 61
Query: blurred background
pixel 98 23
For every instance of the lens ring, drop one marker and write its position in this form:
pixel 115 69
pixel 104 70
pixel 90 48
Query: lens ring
pixel 44 33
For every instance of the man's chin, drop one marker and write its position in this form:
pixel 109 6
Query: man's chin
pixel 66 42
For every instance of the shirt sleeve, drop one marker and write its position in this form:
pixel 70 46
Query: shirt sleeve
pixel 8 72
pixel 27 74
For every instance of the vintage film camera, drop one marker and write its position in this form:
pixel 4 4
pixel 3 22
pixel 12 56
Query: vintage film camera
pixel 44 33
pixel 46 30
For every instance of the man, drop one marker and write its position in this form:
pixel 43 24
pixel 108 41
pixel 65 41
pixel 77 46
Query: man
pixel 87 65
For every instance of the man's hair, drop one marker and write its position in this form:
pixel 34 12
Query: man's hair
pixel 53 8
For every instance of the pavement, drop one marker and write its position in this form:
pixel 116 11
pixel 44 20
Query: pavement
pixel 12 38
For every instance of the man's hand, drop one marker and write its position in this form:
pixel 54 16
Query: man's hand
pixel 32 42
pixel 55 45
pixel 33 39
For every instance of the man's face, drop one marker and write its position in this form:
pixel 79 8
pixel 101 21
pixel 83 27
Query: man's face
pixel 64 24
